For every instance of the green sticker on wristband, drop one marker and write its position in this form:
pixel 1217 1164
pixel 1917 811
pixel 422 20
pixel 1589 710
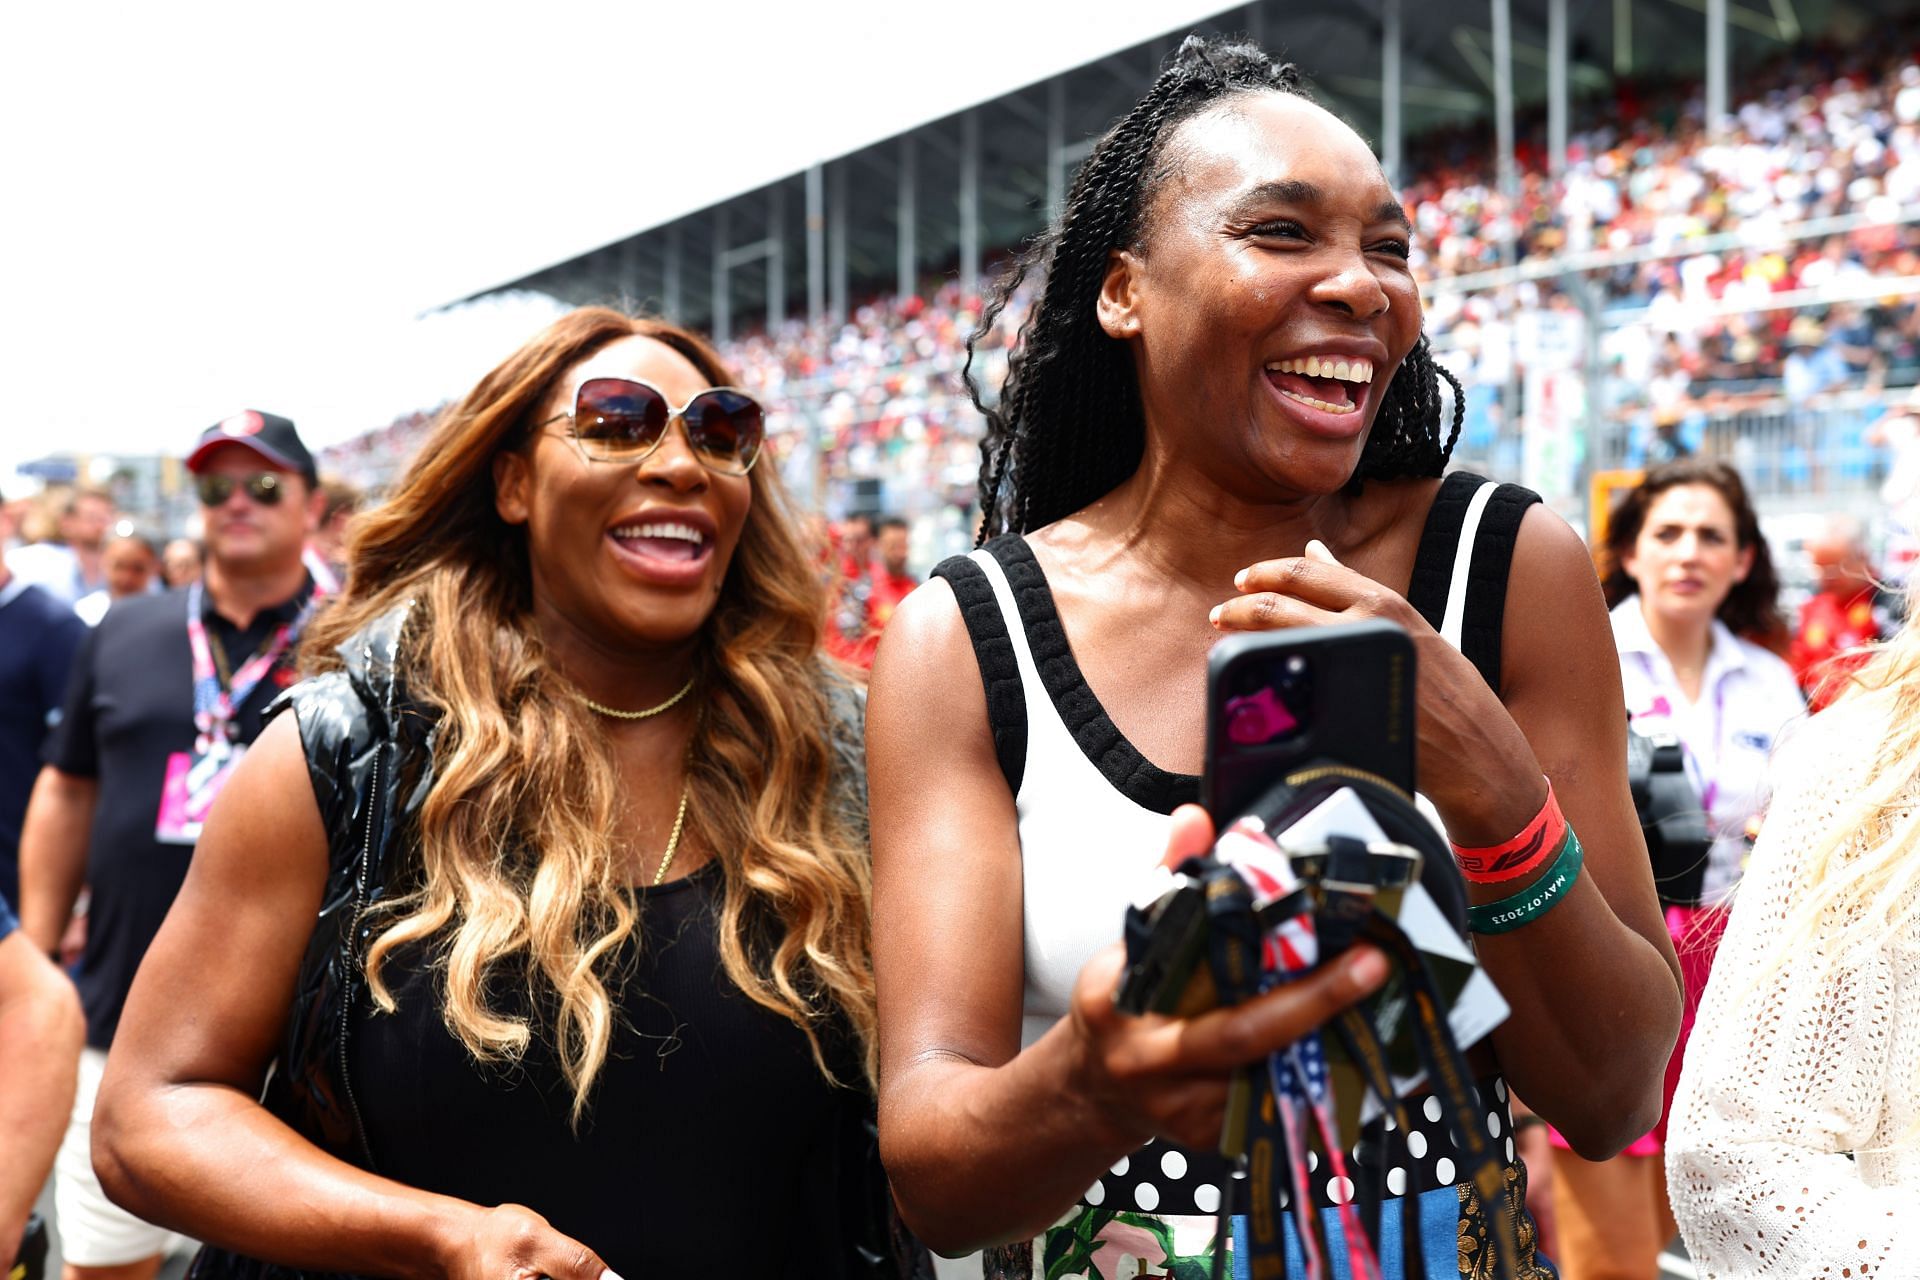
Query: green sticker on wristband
pixel 1534 901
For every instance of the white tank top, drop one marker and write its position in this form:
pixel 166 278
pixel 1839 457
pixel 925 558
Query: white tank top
pixel 1094 813
pixel 1086 843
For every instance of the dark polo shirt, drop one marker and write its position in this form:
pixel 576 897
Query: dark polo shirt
pixel 38 638
pixel 129 707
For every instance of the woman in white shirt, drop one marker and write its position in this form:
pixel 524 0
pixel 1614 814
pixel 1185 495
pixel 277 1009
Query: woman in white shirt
pixel 1795 1140
pixel 1692 588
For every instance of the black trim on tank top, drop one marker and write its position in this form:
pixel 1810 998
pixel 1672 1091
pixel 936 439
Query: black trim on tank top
pixel 1100 740
pixel 999 668
pixel 1483 618
pixel 1433 561
pixel 1484 621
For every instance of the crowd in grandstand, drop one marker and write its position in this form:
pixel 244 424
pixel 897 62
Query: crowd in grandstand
pixel 1830 134
pixel 1831 131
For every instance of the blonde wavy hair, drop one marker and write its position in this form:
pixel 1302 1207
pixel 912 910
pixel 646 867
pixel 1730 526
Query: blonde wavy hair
pixel 517 834
pixel 1867 863
pixel 1860 884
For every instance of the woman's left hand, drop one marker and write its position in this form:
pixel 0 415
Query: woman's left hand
pixel 1475 764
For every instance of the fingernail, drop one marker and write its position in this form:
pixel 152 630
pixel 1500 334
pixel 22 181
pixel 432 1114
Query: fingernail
pixel 1240 579
pixel 1318 549
pixel 1368 969
pixel 1214 617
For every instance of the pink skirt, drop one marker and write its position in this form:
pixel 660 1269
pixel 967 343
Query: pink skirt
pixel 1696 937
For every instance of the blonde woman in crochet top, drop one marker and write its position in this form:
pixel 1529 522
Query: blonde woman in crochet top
pixel 1794 1144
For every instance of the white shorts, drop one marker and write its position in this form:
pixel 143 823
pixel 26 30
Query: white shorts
pixel 94 1231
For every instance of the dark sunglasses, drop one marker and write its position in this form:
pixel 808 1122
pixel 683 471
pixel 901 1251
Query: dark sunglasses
pixel 625 419
pixel 262 486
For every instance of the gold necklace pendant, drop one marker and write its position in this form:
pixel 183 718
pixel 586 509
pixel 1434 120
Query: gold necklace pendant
pixel 617 714
pixel 679 824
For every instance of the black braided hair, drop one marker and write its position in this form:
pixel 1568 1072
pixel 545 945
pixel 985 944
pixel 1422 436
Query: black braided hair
pixel 1069 426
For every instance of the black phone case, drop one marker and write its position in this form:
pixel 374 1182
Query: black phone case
pixel 1360 711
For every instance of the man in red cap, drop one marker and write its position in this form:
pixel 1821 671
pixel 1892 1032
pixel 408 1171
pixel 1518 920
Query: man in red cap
pixel 166 694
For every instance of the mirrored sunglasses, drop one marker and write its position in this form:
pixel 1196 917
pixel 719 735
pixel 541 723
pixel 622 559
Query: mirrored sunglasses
pixel 625 419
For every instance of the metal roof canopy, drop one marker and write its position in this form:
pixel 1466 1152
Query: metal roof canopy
pixel 933 201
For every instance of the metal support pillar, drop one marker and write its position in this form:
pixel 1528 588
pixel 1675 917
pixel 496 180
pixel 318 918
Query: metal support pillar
pixel 1623 37
pixel 816 246
pixel 629 272
pixel 1502 14
pixel 1391 142
pixel 970 203
pixel 837 242
pixel 1717 59
pixel 1056 145
pixel 776 257
pixel 1509 175
pixel 1587 296
pixel 722 295
pixel 1557 87
pixel 670 276
pixel 907 222
pixel 1257 23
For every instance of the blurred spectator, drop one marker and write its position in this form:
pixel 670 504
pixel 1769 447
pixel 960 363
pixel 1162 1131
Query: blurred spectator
pixel 71 567
pixel 340 502
pixel 132 567
pixel 166 694
pixel 888 583
pixel 40 1037
pixel 1842 617
pixel 1668 443
pixel 38 637
pixel 856 546
pixel 1814 365
pixel 852 591
pixel 181 562
pixel 1690 582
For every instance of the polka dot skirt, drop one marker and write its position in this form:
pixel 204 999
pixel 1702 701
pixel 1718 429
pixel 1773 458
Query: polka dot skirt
pixel 1385 1163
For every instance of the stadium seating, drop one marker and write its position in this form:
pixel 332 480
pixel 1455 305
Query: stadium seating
pixel 870 412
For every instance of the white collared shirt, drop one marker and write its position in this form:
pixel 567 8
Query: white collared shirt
pixel 1748 697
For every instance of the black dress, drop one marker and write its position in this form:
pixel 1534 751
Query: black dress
pixel 709 1145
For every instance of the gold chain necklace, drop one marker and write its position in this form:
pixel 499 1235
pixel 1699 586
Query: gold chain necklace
pixel 649 713
pixel 679 822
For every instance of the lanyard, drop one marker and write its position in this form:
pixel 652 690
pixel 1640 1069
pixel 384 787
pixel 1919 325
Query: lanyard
pixel 1445 1065
pixel 1696 763
pixel 214 699
pixel 1262 935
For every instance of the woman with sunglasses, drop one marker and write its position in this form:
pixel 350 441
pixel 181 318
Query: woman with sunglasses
pixel 1223 418
pixel 578 809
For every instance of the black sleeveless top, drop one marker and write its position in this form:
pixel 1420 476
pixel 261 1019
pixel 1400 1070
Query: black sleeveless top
pixel 710 1141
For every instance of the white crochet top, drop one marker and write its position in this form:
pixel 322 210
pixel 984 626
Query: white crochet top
pixel 1793 1148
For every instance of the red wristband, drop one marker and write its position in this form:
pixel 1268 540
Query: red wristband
pixel 1536 843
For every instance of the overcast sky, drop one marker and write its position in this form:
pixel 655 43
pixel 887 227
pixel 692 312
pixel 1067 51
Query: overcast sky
pixel 215 206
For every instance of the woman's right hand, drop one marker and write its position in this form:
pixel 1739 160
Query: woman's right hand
pixel 1166 1077
pixel 512 1242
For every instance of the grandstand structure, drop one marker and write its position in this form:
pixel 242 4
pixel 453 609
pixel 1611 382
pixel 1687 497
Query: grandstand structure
pixel 1639 222
pixel 941 200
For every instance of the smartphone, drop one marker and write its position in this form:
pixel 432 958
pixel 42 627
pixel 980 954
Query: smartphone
pixel 1277 700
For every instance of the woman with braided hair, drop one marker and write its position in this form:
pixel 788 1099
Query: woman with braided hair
pixel 1222 417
